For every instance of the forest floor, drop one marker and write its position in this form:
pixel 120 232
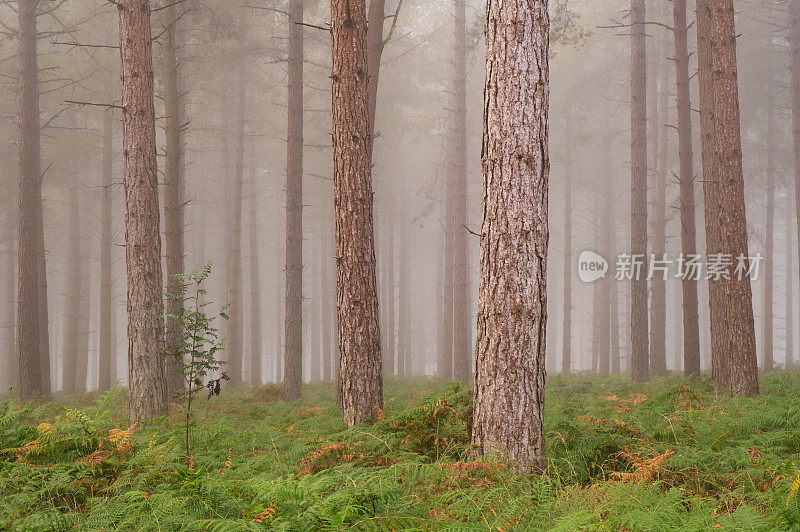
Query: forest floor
pixel 662 456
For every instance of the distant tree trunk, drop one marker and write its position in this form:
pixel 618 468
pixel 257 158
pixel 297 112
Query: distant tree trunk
pixel 388 330
pixel 566 355
pixel 789 295
pixel 10 346
pixel 640 358
pixel 607 281
pixel 279 326
pixel 512 306
pixel 738 298
pixel 716 290
pixel 314 310
pixel 107 350
pixel 769 237
pixel 597 309
pixel 173 188
pixel 403 349
pixel 462 363
pixel 255 288
pixel 658 288
pixel 794 54
pixel 71 370
pixel 691 328
pixel 614 305
pixel 147 387
pixel 293 367
pixel 34 365
pixel 445 360
pixel 360 374
pixel 236 325
pixel 326 297
pixel 84 313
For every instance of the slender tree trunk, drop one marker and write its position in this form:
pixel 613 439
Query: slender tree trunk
pixel 606 282
pixel 107 350
pixel 403 349
pixel 71 368
pixel 147 387
pixel 658 287
pixel 730 207
pixel 360 374
pixel 10 325
pixel 314 310
pixel 789 295
pixel 446 361
pixel 512 306
pixel 597 309
pixel 34 377
pixel 614 305
pixel 691 328
pixel 769 247
pixel 462 363
pixel 255 288
pixel 794 54
pixel 326 297
pixel 279 326
pixel 84 312
pixel 566 355
pixel 716 290
pixel 293 367
pixel 173 200
pixel 640 358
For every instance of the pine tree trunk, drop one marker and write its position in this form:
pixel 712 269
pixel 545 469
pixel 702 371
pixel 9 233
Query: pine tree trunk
pixel 360 374
pixel 566 355
pixel 691 328
pixel 445 360
pixel 70 372
pixel 614 305
pixel 606 282
pixel 738 298
pixel 107 350
pixel 512 305
pixel 147 388
pixel 173 200
pixel 325 299
pixel 789 348
pixel 794 54
pixel 279 325
pixel 403 349
pixel 33 376
pixel 255 289
pixel 769 237
pixel 84 313
pixel 640 358
pixel 293 367
pixel 716 290
pixel 11 368
pixel 462 360
pixel 658 288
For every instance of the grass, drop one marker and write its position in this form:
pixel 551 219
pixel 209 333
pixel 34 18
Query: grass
pixel 663 456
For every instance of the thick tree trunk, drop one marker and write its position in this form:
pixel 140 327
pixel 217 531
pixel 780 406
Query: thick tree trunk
pixel 658 287
pixel 107 355
pixel 173 197
pixel 32 352
pixel 738 298
pixel 716 290
pixel 640 358
pixel 691 328
pixel 147 387
pixel 255 288
pixel 293 367
pixel 462 363
pixel 512 306
pixel 360 374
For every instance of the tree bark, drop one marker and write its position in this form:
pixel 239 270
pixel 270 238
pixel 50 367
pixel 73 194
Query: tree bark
pixel 403 348
pixel 614 296
pixel 71 368
pixel 640 358
pixel 325 299
pixel 293 367
pixel 107 354
pixel 769 237
pixel 34 366
pixel 794 54
pixel 738 298
pixel 147 387
pixel 388 331
pixel 255 288
pixel 445 360
pixel 566 355
pixel 691 328
pixel 173 197
pixel 512 305
pixel 788 356
pixel 360 374
pixel 10 324
pixel 462 363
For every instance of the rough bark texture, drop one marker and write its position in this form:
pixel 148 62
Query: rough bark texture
pixel 640 358
pixel 146 385
pixel 658 287
pixel 566 355
pixel 691 327
pixel 293 366
pixel 107 355
pixel 173 197
pixel 32 352
pixel 738 297
pixel 462 363
pixel 360 374
pixel 512 304
pixel 255 288
pixel 719 366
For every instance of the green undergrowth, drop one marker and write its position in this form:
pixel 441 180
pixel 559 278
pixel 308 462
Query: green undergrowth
pixel 667 455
